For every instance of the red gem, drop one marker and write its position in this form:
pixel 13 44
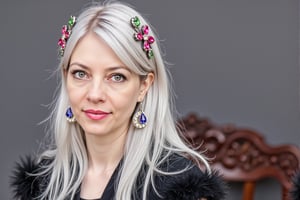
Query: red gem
pixel 145 29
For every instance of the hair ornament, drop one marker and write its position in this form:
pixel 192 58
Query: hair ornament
pixel 66 32
pixel 141 34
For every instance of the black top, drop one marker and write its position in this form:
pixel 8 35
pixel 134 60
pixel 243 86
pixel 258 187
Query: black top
pixel 192 184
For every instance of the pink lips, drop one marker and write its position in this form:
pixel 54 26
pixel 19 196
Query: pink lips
pixel 96 114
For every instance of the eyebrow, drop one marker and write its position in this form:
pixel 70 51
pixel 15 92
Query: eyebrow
pixel 109 69
pixel 78 64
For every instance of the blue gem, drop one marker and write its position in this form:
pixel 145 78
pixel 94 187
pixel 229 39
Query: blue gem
pixel 143 118
pixel 69 113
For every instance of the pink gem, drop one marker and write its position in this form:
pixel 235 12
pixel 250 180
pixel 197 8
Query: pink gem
pixel 146 46
pixel 67 34
pixel 145 29
pixel 61 43
pixel 151 39
pixel 139 36
pixel 64 29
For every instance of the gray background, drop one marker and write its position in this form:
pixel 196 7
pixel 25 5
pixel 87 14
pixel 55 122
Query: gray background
pixel 234 61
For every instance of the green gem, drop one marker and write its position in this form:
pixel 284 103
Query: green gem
pixel 150 54
pixel 71 21
pixel 136 22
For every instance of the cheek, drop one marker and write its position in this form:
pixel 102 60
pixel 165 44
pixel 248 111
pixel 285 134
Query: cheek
pixel 74 94
pixel 125 100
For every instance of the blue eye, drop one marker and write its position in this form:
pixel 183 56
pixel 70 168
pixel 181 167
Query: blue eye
pixel 79 74
pixel 118 78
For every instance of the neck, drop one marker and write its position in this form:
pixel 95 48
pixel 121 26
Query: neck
pixel 104 153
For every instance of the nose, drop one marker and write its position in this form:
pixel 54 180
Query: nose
pixel 96 91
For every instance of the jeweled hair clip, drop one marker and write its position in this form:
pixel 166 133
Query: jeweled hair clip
pixel 141 34
pixel 66 32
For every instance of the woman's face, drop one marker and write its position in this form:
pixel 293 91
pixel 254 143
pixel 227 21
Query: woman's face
pixel 103 92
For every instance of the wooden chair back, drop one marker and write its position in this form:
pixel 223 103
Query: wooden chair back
pixel 242 154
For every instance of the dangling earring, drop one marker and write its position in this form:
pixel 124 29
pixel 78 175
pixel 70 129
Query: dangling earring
pixel 139 119
pixel 70 116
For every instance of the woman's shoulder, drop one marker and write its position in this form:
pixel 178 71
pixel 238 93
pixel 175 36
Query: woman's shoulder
pixel 187 182
pixel 26 182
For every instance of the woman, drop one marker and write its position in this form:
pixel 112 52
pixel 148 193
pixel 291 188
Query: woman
pixel 119 139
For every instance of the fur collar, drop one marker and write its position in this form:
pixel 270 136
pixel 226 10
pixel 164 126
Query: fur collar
pixel 295 192
pixel 189 185
pixel 25 186
pixel 192 185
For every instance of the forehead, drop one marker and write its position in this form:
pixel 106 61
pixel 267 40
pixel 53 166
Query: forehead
pixel 92 50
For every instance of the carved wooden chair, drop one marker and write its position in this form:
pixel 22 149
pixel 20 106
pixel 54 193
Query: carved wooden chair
pixel 242 155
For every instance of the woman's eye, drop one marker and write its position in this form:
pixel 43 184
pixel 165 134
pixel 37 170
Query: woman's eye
pixel 118 78
pixel 79 74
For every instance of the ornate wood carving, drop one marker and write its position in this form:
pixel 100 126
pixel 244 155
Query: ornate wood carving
pixel 241 154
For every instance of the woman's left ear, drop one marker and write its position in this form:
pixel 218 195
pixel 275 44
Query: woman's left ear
pixel 145 85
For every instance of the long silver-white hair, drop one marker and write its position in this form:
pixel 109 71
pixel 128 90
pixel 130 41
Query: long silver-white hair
pixel 149 146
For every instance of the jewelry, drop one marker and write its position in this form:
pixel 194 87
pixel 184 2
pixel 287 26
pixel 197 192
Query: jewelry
pixel 66 32
pixel 70 116
pixel 142 35
pixel 139 119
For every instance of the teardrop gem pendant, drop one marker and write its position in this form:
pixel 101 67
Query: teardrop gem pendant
pixel 70 116
pixel 139 120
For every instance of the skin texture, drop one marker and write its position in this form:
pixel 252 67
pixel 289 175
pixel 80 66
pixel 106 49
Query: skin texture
pixel 103 94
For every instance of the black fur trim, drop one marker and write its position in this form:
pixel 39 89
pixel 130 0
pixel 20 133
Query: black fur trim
pixel 23 185
pixel 295 192
pixel 193 185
